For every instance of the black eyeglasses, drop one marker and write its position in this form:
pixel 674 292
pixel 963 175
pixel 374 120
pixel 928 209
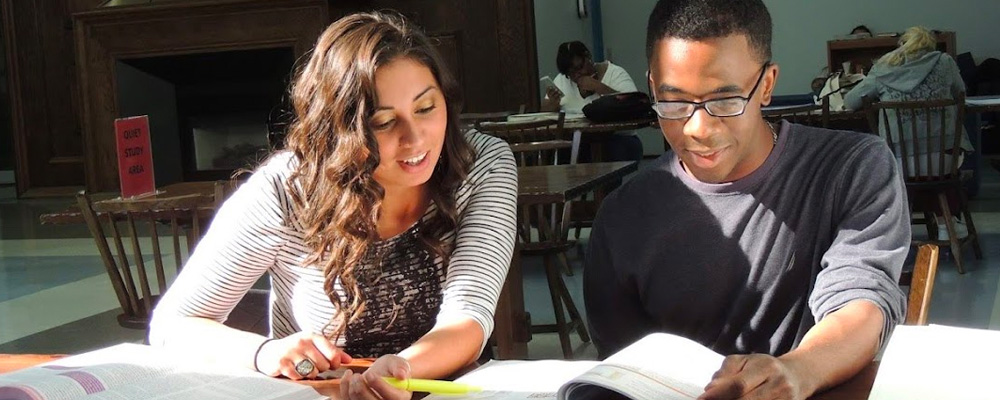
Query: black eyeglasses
pixel 723 107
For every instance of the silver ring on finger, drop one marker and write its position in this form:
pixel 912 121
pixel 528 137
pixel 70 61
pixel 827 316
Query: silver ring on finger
pixel 305 367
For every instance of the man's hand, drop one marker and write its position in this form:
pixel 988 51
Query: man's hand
pixel 757 376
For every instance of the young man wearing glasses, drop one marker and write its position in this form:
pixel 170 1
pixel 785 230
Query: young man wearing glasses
pixel 779 246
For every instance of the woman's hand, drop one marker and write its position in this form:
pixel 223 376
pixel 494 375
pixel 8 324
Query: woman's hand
pixel 370 385
pixel 279 357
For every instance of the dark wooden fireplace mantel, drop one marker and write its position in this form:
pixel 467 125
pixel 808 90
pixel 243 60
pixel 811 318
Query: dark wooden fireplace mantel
pixel 109 34
pixel 63 58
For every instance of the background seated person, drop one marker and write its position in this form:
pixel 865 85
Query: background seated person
pixel 582 81
pixel 777 246
pixel 916 71
pixel 385 230
pixel 862 31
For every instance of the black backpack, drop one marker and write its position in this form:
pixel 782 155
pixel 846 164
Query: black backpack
pixel 617 107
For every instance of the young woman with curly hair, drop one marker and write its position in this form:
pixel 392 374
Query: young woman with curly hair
pixel 385 229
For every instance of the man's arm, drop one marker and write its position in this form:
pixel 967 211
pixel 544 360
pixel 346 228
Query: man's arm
pixel 614 314
pixel 834 350
pixel 855 98
pixel 856 296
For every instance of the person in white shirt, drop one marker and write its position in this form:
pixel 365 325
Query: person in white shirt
pixel 581 81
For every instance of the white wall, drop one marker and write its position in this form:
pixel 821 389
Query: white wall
pixel 624 24
pixel 556 21
pixel 801 29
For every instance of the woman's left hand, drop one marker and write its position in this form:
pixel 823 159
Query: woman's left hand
pixel 370 385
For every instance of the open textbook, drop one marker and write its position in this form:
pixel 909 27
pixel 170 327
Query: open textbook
pixel 658 367
pixel 131 371
pixel 938 362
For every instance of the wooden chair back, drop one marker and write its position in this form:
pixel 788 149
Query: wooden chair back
pixel 540 143
pixel 807 114
pixel 543 142
pixel 920 133
pixel 921 284
pixel 130 224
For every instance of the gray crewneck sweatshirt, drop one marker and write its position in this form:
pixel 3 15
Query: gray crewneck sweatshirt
pixel 749 266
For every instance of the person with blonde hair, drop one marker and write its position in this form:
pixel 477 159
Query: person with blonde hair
pixel 386 231
pixel 914 71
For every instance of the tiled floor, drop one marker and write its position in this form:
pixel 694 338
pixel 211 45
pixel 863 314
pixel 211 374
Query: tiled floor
pixel 55 298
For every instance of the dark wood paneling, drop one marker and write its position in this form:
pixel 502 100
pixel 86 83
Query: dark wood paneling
pixel 450 48
pixel 62 93
pixel 45 126
pixel 76 6
pixel 493 42
pixel 518 60
pixel 131 32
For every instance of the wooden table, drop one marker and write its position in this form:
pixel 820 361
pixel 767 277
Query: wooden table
pixel 108 202
pixel 14 362
pixel 587 126
pixel 855 388
pixel 593 131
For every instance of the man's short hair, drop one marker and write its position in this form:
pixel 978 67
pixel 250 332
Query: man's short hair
pixel 567 52
pixel 707 19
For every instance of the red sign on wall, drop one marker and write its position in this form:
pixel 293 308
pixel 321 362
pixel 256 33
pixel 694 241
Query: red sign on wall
pixel 135 156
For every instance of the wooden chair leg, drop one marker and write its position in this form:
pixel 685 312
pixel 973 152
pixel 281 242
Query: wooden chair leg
pixel 931 222
pixel 973 234
pixel 574 314
pixel 561 327
pixel 567 268
pixel 949 223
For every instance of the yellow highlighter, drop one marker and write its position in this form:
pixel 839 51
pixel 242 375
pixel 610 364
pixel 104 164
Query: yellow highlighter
pixel 432 386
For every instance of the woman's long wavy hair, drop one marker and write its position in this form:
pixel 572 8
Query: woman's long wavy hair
pixel 333 188
pixel 915 42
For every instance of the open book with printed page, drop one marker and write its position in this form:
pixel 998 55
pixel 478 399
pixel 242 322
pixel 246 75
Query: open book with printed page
pixel 657 367
pixel 132 371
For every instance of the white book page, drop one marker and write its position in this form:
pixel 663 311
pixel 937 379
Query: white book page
pixel 938 362
pixel 982 100
pixel 635 383
pixel 130 371
pixel 658 366
pixel 672 356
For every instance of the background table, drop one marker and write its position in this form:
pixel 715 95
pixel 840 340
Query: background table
pixel 107 202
